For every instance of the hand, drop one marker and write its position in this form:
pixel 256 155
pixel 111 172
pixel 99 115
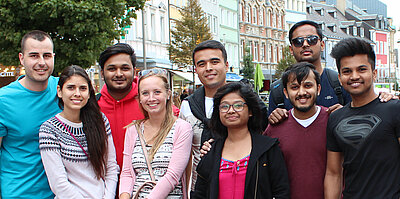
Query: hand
pixel 206 147
pixel 333 108
pixel 124 195
pixel 385 97
pixel 278 115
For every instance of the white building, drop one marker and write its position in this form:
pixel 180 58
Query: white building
pixel 156 32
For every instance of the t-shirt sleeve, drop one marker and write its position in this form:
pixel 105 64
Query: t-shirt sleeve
pixel 397 122
pixel 185 110
pixel 331 142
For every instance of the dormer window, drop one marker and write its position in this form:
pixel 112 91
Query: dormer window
pixel 332 13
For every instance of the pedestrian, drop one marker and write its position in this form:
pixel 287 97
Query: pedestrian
pixel 158 147
pixel 363 137
pixel 76 145
pixel 242 163
pixel 25 104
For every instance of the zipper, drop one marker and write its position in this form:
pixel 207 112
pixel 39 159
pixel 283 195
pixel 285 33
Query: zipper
pixel 255 189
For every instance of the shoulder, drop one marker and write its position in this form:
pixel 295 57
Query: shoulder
pixel 9 90
pixel 48 126
pixel 182 127
pixel 185 108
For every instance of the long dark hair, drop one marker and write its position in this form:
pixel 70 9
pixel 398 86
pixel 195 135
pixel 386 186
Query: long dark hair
pixel 255 121
pixel 93 122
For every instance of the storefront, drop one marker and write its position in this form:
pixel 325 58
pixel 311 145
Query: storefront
pixel 9 74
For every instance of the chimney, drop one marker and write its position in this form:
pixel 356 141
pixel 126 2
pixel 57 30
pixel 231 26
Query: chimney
pixel 341 6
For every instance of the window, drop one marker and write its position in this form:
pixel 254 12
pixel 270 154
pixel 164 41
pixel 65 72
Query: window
pixel 278 20
pixel 262 54
pixel 254 15
pixel 256 51
pixel 153 26
pixel 248 14
pixel 162 26
pixel 251 48
pixel 355 30
pixel 261 20
pixel 215 24
pixel 276 54
pixel 241 12
pixel 361 32
pixel 243 47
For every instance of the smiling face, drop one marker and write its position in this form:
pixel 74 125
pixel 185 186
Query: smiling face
pixel 38 60
pixel 153 95
pixel 74 93
pixel 357 77
pixel 304 95
pixel 232 118
pixel 118 73
pixel 211 67
pixel 306 52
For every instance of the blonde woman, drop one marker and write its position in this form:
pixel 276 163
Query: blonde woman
pixel 167 141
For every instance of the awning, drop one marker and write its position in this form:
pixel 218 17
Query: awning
pixel 233 77
pixel 187 76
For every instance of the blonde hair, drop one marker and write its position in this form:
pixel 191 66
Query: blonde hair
pixel 168 121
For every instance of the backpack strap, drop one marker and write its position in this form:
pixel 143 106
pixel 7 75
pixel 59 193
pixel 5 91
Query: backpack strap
pixel 277 93
pixel 98 95
pixel 334 82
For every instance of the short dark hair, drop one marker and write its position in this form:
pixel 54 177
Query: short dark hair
pixel 353 46
pixel 117 49
pixel 255 121
pixel 210 44
pixel 36 35
pixel 301 71
pixel 302 23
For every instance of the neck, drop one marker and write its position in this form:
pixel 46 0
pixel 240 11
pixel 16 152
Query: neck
pixel 156 120
pixel 238 134
pixel 210 92
pixel 118 95
pixel 71 115
pixel 33 85
pixel 304 115
pixel 361 100
pixel 318 66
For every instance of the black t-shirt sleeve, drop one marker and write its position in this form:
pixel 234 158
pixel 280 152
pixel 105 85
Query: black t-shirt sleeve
pixel 331 142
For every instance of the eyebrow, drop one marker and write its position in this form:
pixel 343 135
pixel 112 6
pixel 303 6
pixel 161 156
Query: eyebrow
pixel 212 59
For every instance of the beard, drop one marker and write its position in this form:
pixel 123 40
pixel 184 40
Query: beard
pixel 306 108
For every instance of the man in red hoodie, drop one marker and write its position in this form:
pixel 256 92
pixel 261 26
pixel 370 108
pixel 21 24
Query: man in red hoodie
pixel 118 98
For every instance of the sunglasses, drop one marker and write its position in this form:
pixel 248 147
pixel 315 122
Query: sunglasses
pixel 237 107
pixel 153 71
pixel 311 40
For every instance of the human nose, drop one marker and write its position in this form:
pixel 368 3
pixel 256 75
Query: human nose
pixel 119 72
pixel 230 109
pixel 302 90
pixel 77 92
pixel 354 76
pixel 209 66
pixel 41 61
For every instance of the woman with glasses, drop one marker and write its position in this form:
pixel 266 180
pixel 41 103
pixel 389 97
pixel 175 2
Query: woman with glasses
pixel 242 163
pixel 76 145
pixel 166 139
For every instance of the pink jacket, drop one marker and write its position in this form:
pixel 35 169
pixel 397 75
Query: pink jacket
pixel 180 157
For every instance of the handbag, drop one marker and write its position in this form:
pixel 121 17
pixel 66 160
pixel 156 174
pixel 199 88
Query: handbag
pixel 152 183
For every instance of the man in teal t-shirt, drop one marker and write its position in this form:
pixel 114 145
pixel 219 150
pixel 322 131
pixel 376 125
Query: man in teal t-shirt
pixel 24 105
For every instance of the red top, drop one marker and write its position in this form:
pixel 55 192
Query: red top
pixel 232 176
pixel 120 113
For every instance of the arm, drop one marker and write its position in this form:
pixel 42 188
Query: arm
pixel 127 177
pixel 111 178
pixel 55 169
pixel 278 115
pixel 385 97
pixel 333 175
pixel 333 108
pixel 180 156
pixel 278 172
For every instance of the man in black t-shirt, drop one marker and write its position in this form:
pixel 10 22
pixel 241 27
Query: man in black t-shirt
pixel 362 137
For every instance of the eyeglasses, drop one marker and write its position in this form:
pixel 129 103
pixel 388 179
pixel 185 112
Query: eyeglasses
pixel 154 71
pixel 238 106
pixel 311 40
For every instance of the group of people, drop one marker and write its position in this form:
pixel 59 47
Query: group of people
pixel 318 140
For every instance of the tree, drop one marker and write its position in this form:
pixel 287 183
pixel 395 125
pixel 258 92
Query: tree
pixel 286 61
pixel 248 66
pixel 191 30
pixel 80 29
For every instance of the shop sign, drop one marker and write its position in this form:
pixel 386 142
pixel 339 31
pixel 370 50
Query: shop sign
pixel 6 74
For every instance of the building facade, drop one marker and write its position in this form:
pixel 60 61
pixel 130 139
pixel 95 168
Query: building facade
pixel 262 29
pixel 295 12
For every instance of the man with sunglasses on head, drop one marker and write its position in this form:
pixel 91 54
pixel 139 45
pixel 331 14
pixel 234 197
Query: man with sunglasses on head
pixel 307 43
